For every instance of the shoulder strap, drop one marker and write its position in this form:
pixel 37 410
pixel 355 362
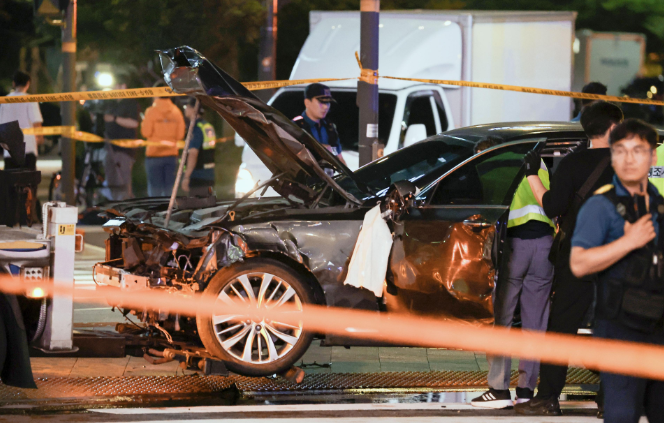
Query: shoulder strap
pixel 582 193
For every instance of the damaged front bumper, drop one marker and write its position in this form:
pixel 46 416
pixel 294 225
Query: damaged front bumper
pixel 107 275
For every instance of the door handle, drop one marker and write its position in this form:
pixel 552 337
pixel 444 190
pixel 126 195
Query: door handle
pixel 476 223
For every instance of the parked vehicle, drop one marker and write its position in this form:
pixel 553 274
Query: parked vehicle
pixel 612 58
pixel 531 49
pixel 294 250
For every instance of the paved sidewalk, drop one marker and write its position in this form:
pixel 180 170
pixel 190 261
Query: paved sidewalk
pixel 332 360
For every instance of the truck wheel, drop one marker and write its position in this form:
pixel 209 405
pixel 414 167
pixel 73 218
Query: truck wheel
pixel 248 346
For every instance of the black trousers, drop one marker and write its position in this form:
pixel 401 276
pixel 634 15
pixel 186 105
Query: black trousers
pixel 628 397
pixel 572 297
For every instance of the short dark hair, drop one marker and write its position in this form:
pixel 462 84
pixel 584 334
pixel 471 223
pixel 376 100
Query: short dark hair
pixel 21 79
pixel 597 118
pixel 634 128
pixel 593 88
pixel 487 143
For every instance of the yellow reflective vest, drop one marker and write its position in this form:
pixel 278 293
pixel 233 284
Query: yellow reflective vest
pixel 656 174
pixel 524 205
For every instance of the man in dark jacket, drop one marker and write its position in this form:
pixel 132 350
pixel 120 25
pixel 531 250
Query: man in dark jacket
pixel 585 170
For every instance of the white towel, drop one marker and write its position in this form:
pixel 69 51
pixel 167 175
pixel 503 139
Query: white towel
pixel 368 264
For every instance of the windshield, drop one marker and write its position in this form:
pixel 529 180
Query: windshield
pixel 344 113
pixel 420 163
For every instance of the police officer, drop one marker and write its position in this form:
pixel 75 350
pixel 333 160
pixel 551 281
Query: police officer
pixel 617 237
pixel 656 175
pixel 578 175
pixel 199 176
pixel 317 102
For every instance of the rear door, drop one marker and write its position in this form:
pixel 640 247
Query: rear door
pixel 444 258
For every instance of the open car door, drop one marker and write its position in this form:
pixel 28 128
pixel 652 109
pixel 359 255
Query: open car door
pixel 444 259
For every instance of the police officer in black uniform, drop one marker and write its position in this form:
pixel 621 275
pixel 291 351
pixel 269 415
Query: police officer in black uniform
pixel 617 238
pixel 317 102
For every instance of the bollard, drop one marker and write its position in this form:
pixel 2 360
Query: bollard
pixel 60 228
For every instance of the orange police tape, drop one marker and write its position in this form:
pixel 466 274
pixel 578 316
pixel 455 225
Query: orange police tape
pixel 72 133
pixel 640 360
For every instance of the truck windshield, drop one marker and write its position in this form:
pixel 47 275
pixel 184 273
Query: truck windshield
pixel 420 163
pixel 344 113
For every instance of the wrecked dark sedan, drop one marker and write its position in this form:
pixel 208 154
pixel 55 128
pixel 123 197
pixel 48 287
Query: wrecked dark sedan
pixel 447 207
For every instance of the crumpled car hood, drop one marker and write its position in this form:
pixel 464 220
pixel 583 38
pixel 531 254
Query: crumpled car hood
pixel 291 154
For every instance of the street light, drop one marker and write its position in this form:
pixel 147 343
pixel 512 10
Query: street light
pixel 104 79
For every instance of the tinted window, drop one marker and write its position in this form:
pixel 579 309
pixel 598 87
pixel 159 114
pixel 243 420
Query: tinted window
pixel 421 164
pixel 421 112
pixel 485 180
pixel 344 113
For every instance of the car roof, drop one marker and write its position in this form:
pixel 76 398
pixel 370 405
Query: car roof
pixel 507 131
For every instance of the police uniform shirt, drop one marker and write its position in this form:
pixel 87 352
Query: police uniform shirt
pixel 319 132
pixel 197 138
pixel 599 223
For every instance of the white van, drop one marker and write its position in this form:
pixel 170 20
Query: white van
pixel 516 48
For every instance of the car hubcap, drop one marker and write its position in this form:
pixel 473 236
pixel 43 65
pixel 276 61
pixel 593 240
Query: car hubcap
pixel 253 339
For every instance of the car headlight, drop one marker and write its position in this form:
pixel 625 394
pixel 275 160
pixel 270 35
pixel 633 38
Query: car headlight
pixel 244 182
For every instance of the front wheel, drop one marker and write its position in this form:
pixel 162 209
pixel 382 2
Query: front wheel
pixel 250 345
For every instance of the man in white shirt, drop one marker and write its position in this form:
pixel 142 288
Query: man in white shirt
pixel 28 116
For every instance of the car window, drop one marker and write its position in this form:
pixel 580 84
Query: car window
pixel 487 179
pixel 444 124
pixel 344 114
pixel 421 163
pixel 419 109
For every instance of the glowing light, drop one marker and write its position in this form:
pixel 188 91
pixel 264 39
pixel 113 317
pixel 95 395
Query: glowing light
pixel 653 89
pixel 104 79
pixel 244 182
pixel 447 23
pixel 420 27
pixel 649 94
pixel 36 293
pixel 576 46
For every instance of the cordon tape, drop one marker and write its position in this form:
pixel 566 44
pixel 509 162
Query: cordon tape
pixel 641 360
pixel 366 75
pixel 72 133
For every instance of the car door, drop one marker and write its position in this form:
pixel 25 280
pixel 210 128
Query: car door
pixel 444 258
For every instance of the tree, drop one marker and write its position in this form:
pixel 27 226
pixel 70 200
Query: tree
pixel 129 32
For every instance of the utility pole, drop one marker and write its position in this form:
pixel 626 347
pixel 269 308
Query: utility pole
pixel 68 108
pixel 367 86
pixel 267 56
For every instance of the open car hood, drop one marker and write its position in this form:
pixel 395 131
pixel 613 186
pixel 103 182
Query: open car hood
pixel 288 152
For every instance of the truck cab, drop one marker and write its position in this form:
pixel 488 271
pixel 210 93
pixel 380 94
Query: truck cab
pixel 519 48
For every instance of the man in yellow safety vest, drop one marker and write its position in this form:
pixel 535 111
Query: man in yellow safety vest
pixel 527 280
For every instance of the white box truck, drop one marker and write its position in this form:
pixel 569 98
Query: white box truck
pixel 532 49
pixel 612 58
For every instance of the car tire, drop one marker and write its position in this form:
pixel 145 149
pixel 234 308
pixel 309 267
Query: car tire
pixel 281 345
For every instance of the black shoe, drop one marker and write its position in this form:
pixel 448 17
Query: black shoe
pixel 539 407
pixel 523 395
pixel 494 398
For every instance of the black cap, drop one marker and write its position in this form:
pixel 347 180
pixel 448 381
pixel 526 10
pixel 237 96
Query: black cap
pixel 319 91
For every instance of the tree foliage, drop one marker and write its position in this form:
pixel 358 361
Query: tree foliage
pixel 129 31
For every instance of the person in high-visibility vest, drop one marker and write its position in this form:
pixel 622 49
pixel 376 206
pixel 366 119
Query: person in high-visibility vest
pixel 199 176
pixel 656 175
pixel 529 275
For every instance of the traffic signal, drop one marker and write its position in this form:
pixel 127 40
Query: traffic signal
pixel 50 7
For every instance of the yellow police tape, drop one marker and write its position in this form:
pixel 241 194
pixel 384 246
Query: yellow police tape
pixel 366 75
pixel 72 133
pixel 146 92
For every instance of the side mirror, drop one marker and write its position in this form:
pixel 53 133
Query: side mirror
pixel 399 198
pixel 415 132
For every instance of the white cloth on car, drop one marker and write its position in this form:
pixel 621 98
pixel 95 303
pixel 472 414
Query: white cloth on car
pixel 368 264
